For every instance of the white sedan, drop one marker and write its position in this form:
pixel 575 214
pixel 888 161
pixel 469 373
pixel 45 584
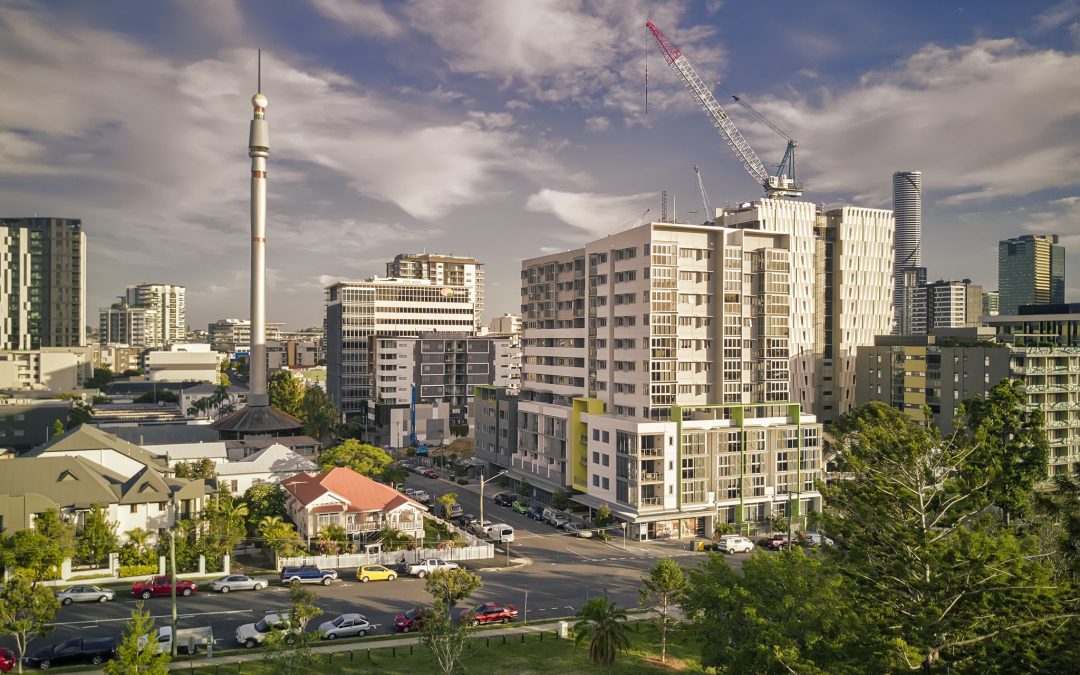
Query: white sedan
pixel 85 593
pixel 237 582
pixel 346 625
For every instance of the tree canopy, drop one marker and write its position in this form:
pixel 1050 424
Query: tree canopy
pixel 286 392
pixel 367 460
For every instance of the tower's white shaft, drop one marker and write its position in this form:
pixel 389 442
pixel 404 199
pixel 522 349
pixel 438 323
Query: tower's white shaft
pixel 258 150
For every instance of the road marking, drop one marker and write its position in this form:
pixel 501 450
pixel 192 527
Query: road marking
pixel 93 623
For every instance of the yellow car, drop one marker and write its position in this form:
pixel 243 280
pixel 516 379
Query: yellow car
pixel 368 573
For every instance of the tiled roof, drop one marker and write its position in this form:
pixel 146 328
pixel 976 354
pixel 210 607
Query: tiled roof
pixel 361 492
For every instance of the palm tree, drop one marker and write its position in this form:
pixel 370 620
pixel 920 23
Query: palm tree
pixel 603 624
pixel 138 537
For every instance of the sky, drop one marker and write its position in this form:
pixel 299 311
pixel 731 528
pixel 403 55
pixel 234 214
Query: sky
pixel 510 129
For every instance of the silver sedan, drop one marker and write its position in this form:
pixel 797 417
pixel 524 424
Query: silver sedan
pixel 84 594
pixel 346 625
pixel 237 582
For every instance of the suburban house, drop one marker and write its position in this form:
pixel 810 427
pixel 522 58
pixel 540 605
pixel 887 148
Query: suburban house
pixel 355 502
pixel 269 465
pixel 107 450
pixel 303 445
pixel 74 484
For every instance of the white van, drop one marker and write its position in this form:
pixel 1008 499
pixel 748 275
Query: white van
pixel 501 533
pixel 552 517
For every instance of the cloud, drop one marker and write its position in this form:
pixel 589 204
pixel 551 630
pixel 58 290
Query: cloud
pixel 1056 16
pixel 366 17
pixel 597 123
pixel 595 214
pixel 984 120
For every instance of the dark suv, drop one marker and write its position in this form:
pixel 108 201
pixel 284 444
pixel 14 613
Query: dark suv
pixel 490 612
pixel 504 499
pixel 307 574
pixel 536 513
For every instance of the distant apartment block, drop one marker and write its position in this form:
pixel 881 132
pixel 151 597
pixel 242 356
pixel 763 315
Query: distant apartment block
pixel 123 324
pixel 169 301
pixel 183 363
pixel 507 324
pixel 59 369
pixel 991 303
pixel 233 336
pixel 293 354
pixel 443 270
pixel 953 304
pixel 1031 271
pixel 43 288
pixel 359 310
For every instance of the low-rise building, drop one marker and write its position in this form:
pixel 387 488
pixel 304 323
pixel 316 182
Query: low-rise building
pixel 26 423
pixel 183 362
pixel 59 369
pixel 342 497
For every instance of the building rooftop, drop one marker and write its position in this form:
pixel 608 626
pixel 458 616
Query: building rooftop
pixel 258 420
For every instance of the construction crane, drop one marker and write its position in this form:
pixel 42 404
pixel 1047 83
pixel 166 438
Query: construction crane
pixel 780 184
pixel 707 209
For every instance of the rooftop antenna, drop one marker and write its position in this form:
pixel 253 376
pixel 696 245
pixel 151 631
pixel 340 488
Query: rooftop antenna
pixel 259 82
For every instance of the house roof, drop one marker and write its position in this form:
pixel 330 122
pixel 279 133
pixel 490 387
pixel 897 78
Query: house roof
pixel 169 432
pixel 87 437
pixel 258 419
pixel 185 452
pixel 273 459
pixel 210 388
pixel 361 493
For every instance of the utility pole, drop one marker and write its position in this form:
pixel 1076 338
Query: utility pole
pixel 482 483
pixel 172 568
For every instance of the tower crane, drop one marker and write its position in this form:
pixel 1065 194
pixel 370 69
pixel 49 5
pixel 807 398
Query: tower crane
pixel 707 208
pixel 780 184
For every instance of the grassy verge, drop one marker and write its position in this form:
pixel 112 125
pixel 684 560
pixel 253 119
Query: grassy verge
pixel 493 655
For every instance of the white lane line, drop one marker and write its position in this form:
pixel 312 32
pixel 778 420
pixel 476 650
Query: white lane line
pixel 156 616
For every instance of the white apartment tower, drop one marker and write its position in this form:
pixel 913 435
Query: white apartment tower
pixel 169 301
pixel 130 326
pixel 359 310
pixel 443 270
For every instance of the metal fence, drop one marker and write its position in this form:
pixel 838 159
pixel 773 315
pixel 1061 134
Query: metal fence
pixel 458 553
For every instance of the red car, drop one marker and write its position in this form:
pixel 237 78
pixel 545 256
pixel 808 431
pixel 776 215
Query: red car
pixel 7 660
pixel 162 586
pixel 429 474
pixel 410 621
pixel 490 612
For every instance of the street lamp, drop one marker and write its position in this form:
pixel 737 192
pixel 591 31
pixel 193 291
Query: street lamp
pixel 623 525
pixel 484 482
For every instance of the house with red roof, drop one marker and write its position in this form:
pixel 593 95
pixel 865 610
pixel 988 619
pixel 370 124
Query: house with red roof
pixel 343 497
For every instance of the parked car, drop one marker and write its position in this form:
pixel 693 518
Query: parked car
pixel 504 534
pixel 578 531
pixel 189 639
pixel 553 517
pixel 467 519
pixel 733 543
pixel 75 651
pixel 480 528
pixel 811 539
pixel 421 496
pixel 426 567
pixel 410 620
pixel 346 625
pixel 237 582
pixel 251 635
pixel 490 612
pixel 536 513
pixel 84 594
pixel 503 499
pixel 520 506
pixel 453 511
pixel 7 660
pixel 366 573
pixel 307 574
pixel 774 543
pixel 162 585
pixel 409 492
pixel 417 469
pixel 429 473
pixel 560 521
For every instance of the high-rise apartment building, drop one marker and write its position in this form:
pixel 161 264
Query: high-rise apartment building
pixel 43 287
pixel 911 313
pixel 1031 271
pixel 507 324
pixel 907 207
pixel 443 270
pixel 991 303
pixel 123 324
pixel 169 301
pixel 233 336
pixel 358 310
pixel 653 359
pixel 841 292
pixel 953 304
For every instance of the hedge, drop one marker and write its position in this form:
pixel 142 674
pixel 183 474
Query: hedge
pixel 138 570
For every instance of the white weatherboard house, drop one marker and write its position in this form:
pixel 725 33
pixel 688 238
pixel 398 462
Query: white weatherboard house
pixel 269 465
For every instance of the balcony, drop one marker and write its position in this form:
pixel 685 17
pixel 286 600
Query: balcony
pixel 652 477
pixel 651 501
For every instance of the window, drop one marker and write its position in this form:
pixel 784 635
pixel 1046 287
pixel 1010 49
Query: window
pixel 134 508
pixel 606 484
pixel 596 480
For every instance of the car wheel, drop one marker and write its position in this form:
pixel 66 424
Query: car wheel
pixel 186 592
pixel 326 581
pixel 364 580
pixel 45 665
pixel 506 620
pixel 67 601
pixel 224 589
pixel 361 633
pixel 250 643
pixel 405 629
pixel 391 577
pixel 96 659
pixel 146 595
pixel 475 622
pixel 103 598
pixel 294 582
pixel 259 587
pixel 331 636
pixel 421 574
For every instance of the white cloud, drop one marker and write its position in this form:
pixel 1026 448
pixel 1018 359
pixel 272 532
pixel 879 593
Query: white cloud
pixel 366 17
pixel 595 214
pixel 1058 15
pixel 597 123
pixel 986 120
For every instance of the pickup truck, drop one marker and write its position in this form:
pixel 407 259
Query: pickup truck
pixel 73 652
pixel 162 585
pixel 307 574
pixel 426 567
pixel 189 639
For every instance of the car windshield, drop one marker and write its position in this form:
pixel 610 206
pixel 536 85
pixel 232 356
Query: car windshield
pixel 338 621
pixel 412 614
pixel 262 626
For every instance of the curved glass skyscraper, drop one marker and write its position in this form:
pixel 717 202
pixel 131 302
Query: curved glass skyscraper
pixel 907 240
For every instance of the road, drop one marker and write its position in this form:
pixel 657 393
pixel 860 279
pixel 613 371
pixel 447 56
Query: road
pixel 564 571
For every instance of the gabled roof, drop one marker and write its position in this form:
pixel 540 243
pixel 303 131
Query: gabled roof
pixel 273 459
pixel 186 452
pixel 362 493
pixel 87 437
pixel 68 481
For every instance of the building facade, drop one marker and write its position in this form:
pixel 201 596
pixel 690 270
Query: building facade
pixel 233 336
pixel 170 303
pixel 953 304
pixel 507 324
pixel 43 288
pixel 907 208
pixel 443 270
pixel 123 324
pixel 991 303
pixel 59 369
pixel 359 310
pixel 1031 271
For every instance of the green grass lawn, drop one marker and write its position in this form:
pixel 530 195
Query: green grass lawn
pixel 532 656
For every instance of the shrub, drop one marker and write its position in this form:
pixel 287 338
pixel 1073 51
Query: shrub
pixel 138 570
pixel 462 481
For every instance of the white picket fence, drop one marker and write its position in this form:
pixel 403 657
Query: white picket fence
pixel 478 551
